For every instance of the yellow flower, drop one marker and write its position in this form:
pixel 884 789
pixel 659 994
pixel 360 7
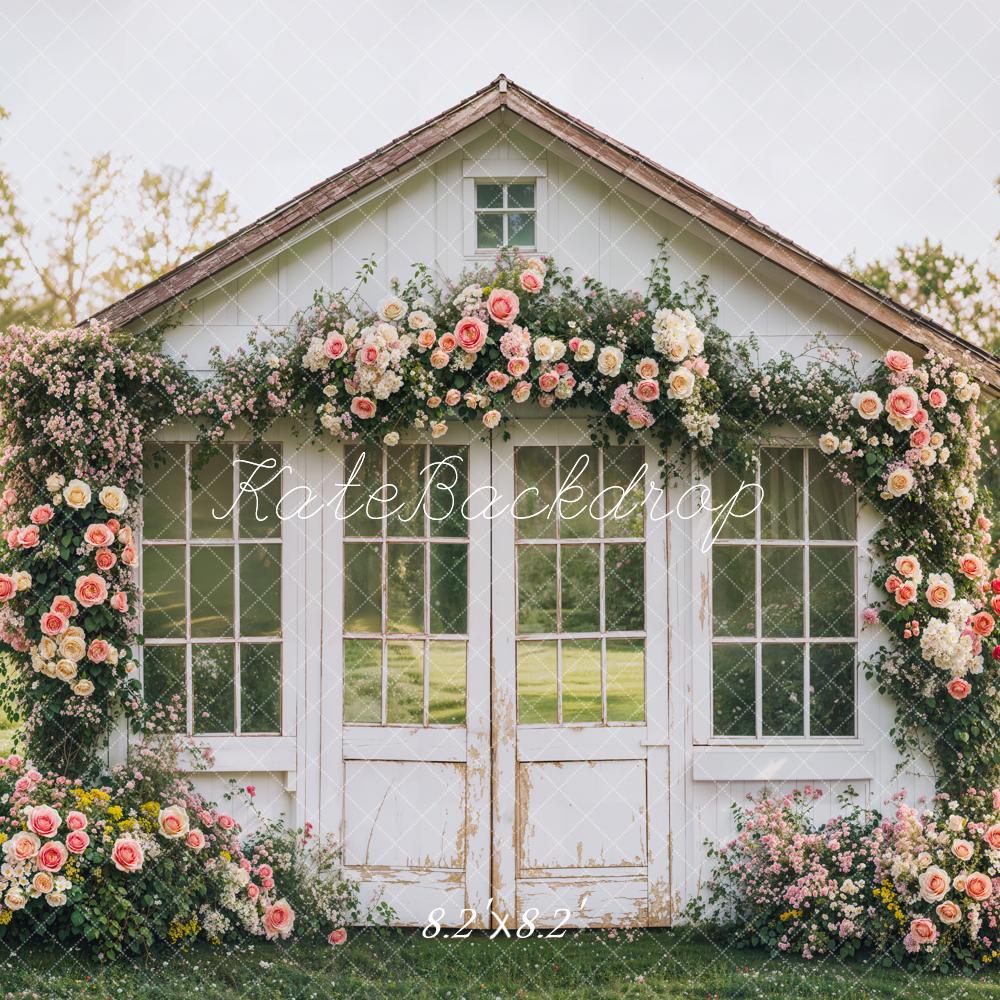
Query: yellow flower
pixel 225 855
pixel 115 812
pixel 5 916
pixel 150 807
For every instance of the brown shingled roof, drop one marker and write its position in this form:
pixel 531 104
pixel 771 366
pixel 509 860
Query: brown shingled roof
pixel 725 218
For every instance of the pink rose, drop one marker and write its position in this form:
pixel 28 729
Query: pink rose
pixel 130 555
pixel 992 836
pixel 948 912
pixel 127 854
pixel 452 397
pixel 937 398
pixel 369 355
pixel 9 496
pixel 899 361
pixel 470 333
pixel 174 822
pixel 8 588
pixel 52 623
pixel 27 537
pixel 518 367
pixel 279 919
pixel 51 856
pixel 440 359
pixel 23 845
pixel 531 282
pixel 205 818
pixel 971 566
pixel 76 820
pixel 334 346
pixel 903 403
pixel 77 841
pixel 99 535
pixel 959 688
pixel 42 514
pixel 426 338
pixel 647 390
pixel 225 822
pixel 267 883
pixel 44 821
pixel 65 606
pixel 906 593
pixel 265 871
pixel 893 584
pixel 119 602
pixel 339 936
pixel 521 392
pixel 923 931
pixel 195 840
pixel 920 437
pixel 547 381
pixel 920 417
pixel 983 623
pixel 91 590
pixel 979 887
pixel 253 891
pixel 362 407
pixel 497 381
pixel 98 650
pixel 503 306
pixel 105 559
pixel 447 342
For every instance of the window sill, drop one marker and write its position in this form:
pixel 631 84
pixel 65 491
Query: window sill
pixel 246 754
pixel 787 763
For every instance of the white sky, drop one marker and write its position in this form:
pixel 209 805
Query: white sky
pixel 844 125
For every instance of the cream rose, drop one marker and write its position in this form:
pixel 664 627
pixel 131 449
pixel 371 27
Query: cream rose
pixel 940 590
pixel 868 404
pixel 934 884
pixel 609 361
pixel 829 443
pixel 77 494
pixel 978 887
pixel 174 822
pixel 113 500
pixel 680 384
pixel 899 482
pixel 962 849
pixel 948 912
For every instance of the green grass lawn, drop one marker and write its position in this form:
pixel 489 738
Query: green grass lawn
pixel 592 965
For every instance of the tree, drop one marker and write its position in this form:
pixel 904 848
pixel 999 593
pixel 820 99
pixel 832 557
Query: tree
pixel 113 233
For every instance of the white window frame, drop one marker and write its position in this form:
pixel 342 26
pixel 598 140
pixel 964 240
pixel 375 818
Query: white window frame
pixel 186 641
pixel 508 170
pixel 726 757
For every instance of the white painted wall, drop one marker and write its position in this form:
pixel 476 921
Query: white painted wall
pixel 599 225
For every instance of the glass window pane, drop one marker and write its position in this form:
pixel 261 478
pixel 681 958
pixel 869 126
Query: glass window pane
pixel 212 590
pixel 260 687
pixel 449 588
pixel 536 588
pixel 536 682
pixel 446 684
pixel 625 679
pixel 363 587
pixel 163 591
pixel 581 680
pixel 832 505
pixel 363 680
pixel 212 677
pixel 521 229
pixel 624 492
pixel 260 490
pixel 782 686
pixel 489 196
pixel 449 491
pixel 578 489
pixel 163 496
pixel 733 590
pixel 405 683
pixel 729 487
pixel 781 579
pixel 520 195
pixel 260 590
pixel 405 585
pixel 624 588
pixel 163 681
pixel 363 501
pixel 581 588
pixel 404 475
pixel 489 231
pixel 831 695
pixel 535 492
pixel 782 481
pixel 733 690
pixel 831 591
pixel 212 497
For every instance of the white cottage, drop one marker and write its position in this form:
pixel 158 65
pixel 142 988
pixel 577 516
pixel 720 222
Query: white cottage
pixel 475 759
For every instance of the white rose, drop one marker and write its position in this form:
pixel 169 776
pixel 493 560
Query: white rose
pixel 868 404
pixel 899 482
pixel 84 687
pixel 55 482
pixel 543 349
pixel 113 500
pixel 392 309
pixel 680 384
pixel 391 439
pixel 829 443
pixel 350 328
pixel 609 361
pixel 77 494
pixel 585 351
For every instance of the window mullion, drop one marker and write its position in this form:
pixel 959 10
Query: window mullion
pixel 237 684
pixel 188 652
pixel 807 646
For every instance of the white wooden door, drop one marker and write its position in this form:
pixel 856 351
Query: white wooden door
pixel 580 745
pixel 407 710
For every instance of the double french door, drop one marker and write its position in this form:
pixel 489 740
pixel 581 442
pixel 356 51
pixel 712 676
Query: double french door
pixel 496 746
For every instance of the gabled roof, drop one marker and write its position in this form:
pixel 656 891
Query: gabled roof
pixel 735 223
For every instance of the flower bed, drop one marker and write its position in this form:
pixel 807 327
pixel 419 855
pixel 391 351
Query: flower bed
pixel 138 857
pixel 917 885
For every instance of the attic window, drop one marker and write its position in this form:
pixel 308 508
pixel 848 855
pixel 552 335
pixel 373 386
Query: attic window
pixel 505 215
